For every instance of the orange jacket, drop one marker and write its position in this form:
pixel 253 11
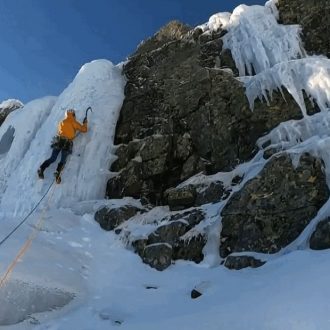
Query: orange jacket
pixel 67 128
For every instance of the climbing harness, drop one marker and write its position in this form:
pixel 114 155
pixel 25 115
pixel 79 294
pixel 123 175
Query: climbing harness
pixel 32 236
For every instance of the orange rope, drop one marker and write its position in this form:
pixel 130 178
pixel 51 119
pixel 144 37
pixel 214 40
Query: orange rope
pixel 14 262
pixel 27 244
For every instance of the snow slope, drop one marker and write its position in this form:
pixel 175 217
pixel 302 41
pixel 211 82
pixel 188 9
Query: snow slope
pixel 72 259
pixel 116 291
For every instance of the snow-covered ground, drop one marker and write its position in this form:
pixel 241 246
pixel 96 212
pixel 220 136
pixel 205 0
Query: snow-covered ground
pixel 88 276
pixel 113 289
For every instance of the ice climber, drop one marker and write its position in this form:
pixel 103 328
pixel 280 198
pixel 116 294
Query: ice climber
pixel 63 142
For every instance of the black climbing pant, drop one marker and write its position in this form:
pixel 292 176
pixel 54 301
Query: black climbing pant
pixel 53 157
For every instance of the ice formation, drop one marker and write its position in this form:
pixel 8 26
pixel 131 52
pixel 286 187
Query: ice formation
pixel 310 75
pixel 258 42
pixel 273 57
pixel 98 84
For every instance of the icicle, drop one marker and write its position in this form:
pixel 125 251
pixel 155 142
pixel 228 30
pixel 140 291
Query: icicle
pixel 311 75
pixel 294 132
pixel 257 42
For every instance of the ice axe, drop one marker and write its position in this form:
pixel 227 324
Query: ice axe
pixel 88 109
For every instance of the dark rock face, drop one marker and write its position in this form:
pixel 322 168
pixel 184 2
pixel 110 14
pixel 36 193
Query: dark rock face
pixel 271 210
pixel 174 30
pixel 109 218
pixel 320 240
pixel 158 256
pixel 195 294
pixel 179 199
pixel 239 262
pixel 185 113
pixel 212 193
pixel 313 16
pixel 168 238
pixel 182 115
pixel 195 195
pixel 191 249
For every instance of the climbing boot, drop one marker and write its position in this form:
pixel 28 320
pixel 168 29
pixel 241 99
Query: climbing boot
pixel 58 171
pixel 57 177
pixel 41 173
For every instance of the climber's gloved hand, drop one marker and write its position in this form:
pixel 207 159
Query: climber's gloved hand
pixel 85 120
